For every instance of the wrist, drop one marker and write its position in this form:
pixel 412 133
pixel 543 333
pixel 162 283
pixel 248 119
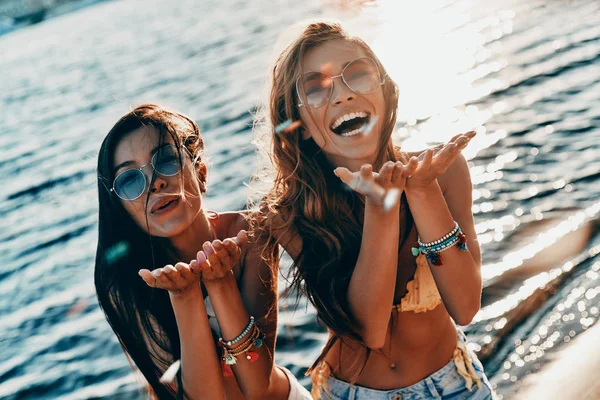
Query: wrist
pixel 193 292
pixel 380 211
pixel 420 192
pixel 220 284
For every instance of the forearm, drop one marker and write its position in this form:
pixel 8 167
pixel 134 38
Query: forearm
pixel 253 377
pixel 200 368
pixel 458 279
pixel 371 289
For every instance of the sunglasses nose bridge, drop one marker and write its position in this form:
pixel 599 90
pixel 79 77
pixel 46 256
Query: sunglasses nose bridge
pixel 341 92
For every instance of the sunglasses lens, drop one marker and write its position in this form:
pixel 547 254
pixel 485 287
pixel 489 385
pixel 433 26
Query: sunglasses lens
pixel 166 161
pixel 130 184
pixel 317 88
pixel 362 76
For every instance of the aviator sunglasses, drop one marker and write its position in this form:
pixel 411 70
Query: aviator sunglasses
pixel 315 88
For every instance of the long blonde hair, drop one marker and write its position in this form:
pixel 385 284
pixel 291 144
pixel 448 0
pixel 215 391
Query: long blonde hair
pixel 306 199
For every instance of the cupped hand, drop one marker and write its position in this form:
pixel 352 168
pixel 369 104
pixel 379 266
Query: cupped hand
pixel 432 166
pixel 177 279
pixel 216 260
pixel 377 187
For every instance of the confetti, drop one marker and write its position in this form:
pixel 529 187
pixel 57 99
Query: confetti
pixel 390 199
pixel 115 252
pixel 287 126
pixel 171 372
pixel 366 129
pixel 77 308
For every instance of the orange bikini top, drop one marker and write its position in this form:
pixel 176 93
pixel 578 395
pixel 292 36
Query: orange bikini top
pixel 422 293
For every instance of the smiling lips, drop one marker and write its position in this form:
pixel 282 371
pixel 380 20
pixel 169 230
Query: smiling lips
pixel 350 124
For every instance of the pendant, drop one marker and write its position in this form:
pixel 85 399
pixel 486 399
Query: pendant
pixel 228 357
pixel 392 366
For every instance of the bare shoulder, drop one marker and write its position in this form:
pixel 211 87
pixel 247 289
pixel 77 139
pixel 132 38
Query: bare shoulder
pixel 287 236
pixel 233 221
pixel 457 176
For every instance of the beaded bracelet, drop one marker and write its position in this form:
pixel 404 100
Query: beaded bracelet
pixel 230 354
pixel 240 336
pixel 433 249
pixel 443 238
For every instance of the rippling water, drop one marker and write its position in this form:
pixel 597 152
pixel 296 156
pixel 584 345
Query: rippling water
pixel 525 74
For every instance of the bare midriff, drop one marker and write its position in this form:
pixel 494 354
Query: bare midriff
pixel 418 345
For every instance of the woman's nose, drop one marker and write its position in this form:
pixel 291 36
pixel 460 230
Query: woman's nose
pixel 159 183
pixel 341 93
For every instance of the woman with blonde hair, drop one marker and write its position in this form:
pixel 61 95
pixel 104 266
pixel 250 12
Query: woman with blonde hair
pixel 214 316
pixel 389 259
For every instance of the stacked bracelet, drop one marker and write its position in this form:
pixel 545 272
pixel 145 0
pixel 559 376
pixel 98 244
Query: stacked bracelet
pixel 433 249
pixel 241 335
pixel 252 337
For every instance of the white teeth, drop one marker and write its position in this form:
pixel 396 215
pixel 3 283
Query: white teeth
pixel 352 133
pixel 348 117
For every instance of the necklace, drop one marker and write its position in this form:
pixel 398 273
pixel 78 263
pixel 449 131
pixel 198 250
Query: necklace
pixel 391 363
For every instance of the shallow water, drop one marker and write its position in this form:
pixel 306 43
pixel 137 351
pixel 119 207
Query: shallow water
pixel 525 74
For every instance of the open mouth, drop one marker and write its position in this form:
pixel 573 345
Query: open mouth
pixel 351 124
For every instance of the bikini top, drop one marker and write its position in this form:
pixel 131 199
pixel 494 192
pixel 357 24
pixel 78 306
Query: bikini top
pixel 422 294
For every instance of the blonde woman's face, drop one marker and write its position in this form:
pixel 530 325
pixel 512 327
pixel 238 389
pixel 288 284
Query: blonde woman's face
pixel 350 143
pixel 167 213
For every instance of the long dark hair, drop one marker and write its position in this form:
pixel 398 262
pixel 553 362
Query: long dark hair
pixel 137 313
pixel 308 200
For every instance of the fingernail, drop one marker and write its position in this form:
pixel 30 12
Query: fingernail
pixel 216 244
pixel 140 272
pixel 335 172
pixel 157 273
pixel 201 258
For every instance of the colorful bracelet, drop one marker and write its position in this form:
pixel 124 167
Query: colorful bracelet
pixel 443 238
pixel 230 354
pixel 240 336
pixel 433 249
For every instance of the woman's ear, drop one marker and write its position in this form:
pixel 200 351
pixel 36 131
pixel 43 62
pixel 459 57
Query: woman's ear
pixel 202 174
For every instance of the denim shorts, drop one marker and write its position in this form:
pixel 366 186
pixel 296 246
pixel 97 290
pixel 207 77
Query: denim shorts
pixel 445 384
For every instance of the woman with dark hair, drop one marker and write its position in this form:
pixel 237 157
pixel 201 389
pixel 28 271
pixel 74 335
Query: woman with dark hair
pixel 390 260
pixel 151 179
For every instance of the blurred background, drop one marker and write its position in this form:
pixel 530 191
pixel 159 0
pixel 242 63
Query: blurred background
pixel 524 73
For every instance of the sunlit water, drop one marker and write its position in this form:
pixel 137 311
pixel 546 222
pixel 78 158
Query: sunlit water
pixel 525 74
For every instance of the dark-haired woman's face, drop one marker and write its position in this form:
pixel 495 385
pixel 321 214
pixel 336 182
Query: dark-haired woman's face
pixel 345 144
pixel 167 213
